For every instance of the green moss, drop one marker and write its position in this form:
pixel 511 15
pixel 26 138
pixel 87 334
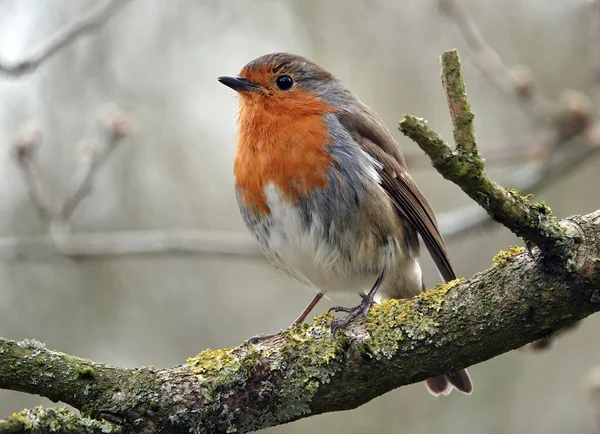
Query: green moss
pixel 526 310
pixel 40 419
pixel 463 166
pixel 216 368
pixel 542 208
pixel 344 341
pixel 153 406
pixel 546 222
pixel 300 345
pixel 516 194
pixel 84 371
pixel 21 417
pixel 411 319
pixel 365 351
pixel 503 257
pixel 308 356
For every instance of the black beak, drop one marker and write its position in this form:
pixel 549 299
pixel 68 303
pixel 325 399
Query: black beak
pixel 239 84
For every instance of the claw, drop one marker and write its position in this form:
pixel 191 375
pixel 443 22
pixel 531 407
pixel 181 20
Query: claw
pixel 354 312
pixel 361 310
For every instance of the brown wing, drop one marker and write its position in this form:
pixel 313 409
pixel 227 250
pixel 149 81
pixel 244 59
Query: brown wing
pixel 371 134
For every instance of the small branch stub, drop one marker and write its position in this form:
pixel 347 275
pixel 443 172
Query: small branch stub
pixel 464 166
pixel 460 109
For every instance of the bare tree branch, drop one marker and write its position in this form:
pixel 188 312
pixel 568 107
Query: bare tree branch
pixel 25 148
pixel 525 149
pixel 120 243
pixel 517 81
pixel 115 126
pixel 89 21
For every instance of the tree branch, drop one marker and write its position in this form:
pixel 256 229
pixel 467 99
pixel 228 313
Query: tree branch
pixel 516 81
pixel 458 222
pixel 307 371
pixel 570 135
pixel 86 23
pixel 25 147
pixel 460 109
pixel 115 126
pixel 120 243
pixel 54 420
pixel 464 166
pixel 534 222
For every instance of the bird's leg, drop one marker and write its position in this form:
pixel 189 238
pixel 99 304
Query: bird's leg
pixel 307 310
pixel 354 312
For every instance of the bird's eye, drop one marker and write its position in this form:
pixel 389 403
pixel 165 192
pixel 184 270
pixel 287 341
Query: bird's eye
pixel 284 82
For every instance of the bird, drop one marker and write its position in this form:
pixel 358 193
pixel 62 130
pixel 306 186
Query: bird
pixel 323 186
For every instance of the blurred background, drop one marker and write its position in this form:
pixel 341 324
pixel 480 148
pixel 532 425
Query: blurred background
pixel 165 267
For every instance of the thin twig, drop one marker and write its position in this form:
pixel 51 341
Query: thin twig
pixel 534 222
pixel 129 243
pixel 464 167
pixel 115 126
pixel 566 118
pixel 525 149
pixel 517 81
pixel 86 23
pixel 25 148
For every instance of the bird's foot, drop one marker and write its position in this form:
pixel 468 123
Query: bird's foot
pixel 353 313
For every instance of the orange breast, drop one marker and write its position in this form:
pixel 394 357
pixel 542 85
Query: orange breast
pixel 281 140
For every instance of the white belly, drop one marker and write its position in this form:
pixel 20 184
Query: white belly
pixel 303 252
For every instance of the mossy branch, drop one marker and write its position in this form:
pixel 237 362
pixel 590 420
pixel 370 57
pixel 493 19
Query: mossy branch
pixel 54 420
pixel 460 109
pixel 464 166
pixel 306 371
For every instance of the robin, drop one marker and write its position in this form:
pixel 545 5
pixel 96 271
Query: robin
pixel 323 186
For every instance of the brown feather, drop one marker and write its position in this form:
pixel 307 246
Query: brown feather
pixel 375 138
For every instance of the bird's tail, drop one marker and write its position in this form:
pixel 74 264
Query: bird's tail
pixel 443 384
